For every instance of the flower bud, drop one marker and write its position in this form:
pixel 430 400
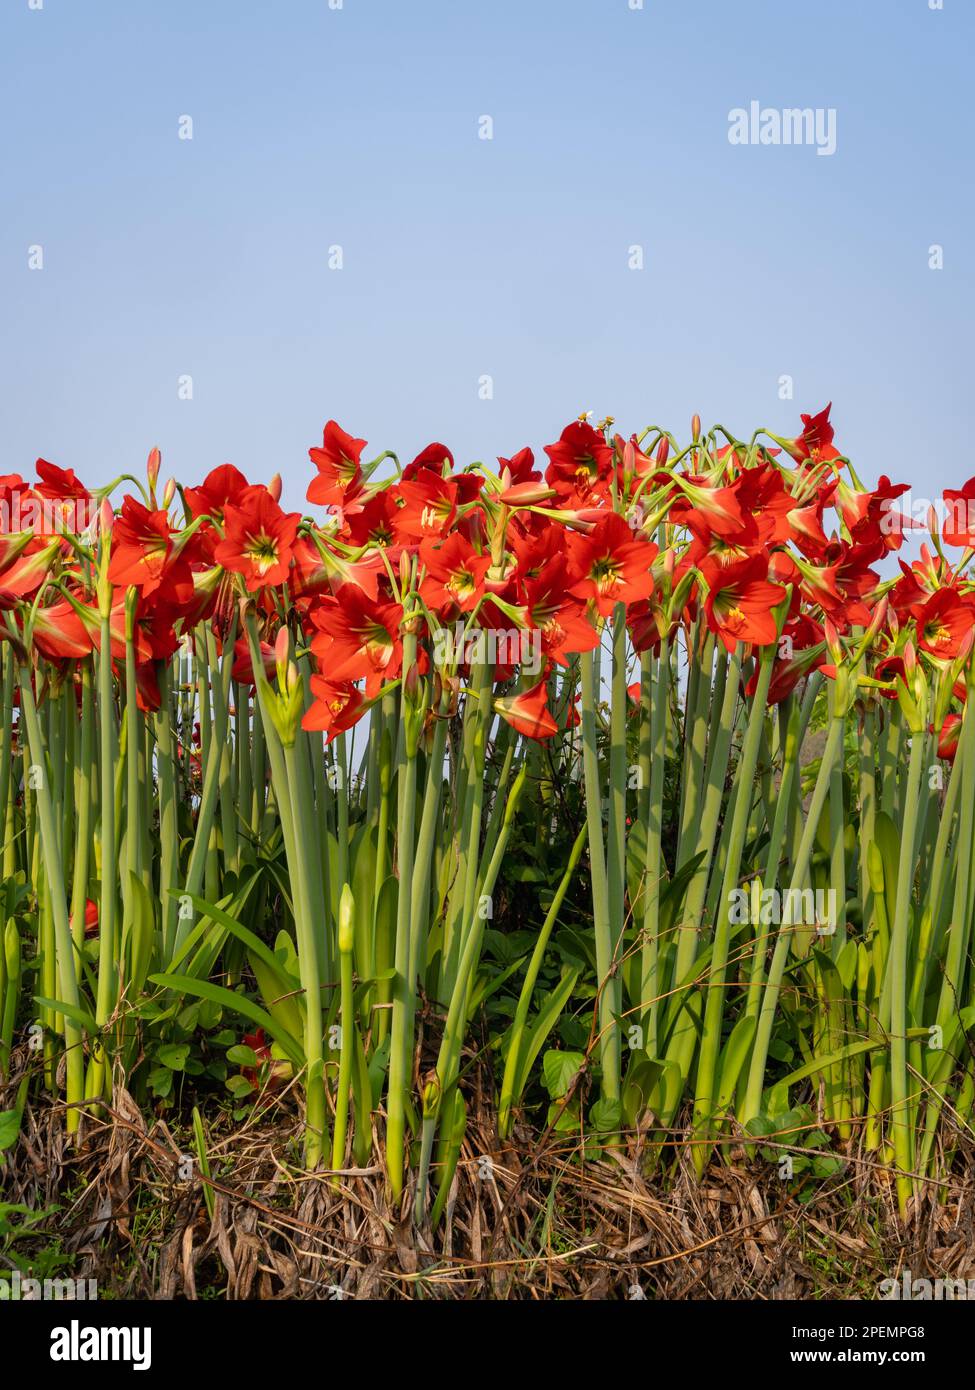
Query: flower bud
pixel 274 487
pixel 346 920
pixel 153 464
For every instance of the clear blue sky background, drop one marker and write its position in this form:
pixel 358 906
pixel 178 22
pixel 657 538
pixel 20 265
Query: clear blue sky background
pixel 464 257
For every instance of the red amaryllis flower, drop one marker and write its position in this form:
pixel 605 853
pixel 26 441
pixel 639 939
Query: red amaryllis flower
pixel 871 517
pixel 713 510
pixel 434 458
pixel 528 713
pixel 358 637
pixel 374 522
pixel 520 468
pixel 220 486
pixel 13 545
pixel 815 444
pixel 948 738
pixel 612 566
pixel 258 539
pixel 58 504
pixel 277 1072
pixel 740 605
pixel 943 624
pixel 143 554
pixel 26 575
pixel 339 471
pixel 579 462
pixel 59 633
pixel 91 918
pixel 243 668
pixel 959 521
pixel 429 507
pixel 892 669
pixel 318 569
pixel 59 483
pixel 454 573
pixel 555 613
pixel 336 707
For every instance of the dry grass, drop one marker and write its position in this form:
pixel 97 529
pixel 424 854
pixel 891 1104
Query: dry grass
pixel 533 1219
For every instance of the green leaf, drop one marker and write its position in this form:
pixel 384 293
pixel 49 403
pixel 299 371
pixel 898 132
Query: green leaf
pixel 242 1056
pixel 642 1075
pixel 545 1020
pixel 173 1055
pixel 606 1116
pixel 239 1003
pixel 9 1127
pixel 558 1069
pixel 161 1081
pixel 75 1014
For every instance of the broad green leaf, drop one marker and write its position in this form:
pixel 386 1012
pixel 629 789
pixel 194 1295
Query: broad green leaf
pixel 558 1069
pixel 239 1003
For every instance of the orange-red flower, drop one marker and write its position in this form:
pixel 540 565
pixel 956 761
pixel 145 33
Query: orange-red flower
pixel 740 604
pixel 528 713
pixel 336 707
pixel 943 624
pixel 339 470
pixel 258 539
pixel 611 565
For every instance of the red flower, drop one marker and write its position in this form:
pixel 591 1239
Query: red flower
pixel 434 458
pixel 706 509
pixel 579 462
pixel 948 738
pixel 611 564
pixel 520 468
pixel 943 624
pixel 143 554
pixel 429 507
pixel 528 713
pixel 336 707
pixel 60 483
pixel 339 471
pixel 815 444
pixel 220 486
pixel 959 524
pixel 59 633
pixel 243 668
pixel 91 917
pixel 454 573
pixel 374 522
pixel 26 575
pixel 358 638
pixel 557 614
pixel 740 603
pixel 258 539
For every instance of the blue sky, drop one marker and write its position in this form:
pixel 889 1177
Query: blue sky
pixel 462 257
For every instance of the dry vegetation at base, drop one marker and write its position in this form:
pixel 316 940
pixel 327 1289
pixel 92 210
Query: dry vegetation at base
pixel 547 1224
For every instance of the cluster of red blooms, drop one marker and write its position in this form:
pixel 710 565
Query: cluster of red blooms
pixel 729 534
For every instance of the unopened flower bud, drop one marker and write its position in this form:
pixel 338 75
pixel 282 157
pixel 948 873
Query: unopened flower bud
pixel 346 920
pixel 153 464
pixel 274 487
